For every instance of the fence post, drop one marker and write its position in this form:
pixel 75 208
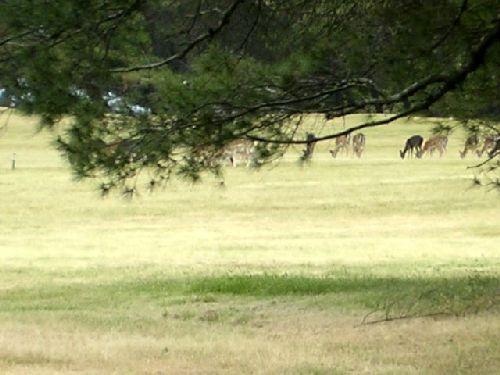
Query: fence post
pixel 13 161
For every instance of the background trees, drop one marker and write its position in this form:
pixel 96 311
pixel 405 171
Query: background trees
pixel 193 75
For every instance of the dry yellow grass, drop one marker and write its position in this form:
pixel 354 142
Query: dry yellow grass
pixel 277 338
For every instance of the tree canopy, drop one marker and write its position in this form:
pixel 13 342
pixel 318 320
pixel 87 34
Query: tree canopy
pixel 154 84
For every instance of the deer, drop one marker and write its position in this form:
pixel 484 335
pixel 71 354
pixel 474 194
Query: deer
pixel 358 144
pixel 436 142
pixel 307 153
pixel 495 150
pixel 412 143
pixel 489 143
pixel 471 144
pixel 240 150
pixel 341 143
pixel 124 149
pixel 233 152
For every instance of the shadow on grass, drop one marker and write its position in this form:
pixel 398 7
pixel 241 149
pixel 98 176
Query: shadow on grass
pixel 388 299
pixel 392 296
pixel 276 285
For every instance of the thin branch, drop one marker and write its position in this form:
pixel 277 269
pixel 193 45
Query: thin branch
pixel 60 36
pixel 209 35
pixel 454 24
pixel 14 37
pixel 403 317
pixel 252 28
pixel 484 162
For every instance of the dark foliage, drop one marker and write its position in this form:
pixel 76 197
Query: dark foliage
pixel 163 86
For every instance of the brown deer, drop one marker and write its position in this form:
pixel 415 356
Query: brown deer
pixel 436 142
pixel 495 150
pixel 358 144
pixel 125 149
pixel 489 143
pixel 471 144
pixel 341 144
pixel 412 143
pixel 233 152
pixel 208 156
pixel 239 150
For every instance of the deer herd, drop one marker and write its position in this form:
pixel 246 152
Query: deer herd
pixel 243 151
pixel 490 145
pixel 416 146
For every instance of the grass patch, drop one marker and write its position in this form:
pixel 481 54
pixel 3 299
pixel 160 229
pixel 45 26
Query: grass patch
pixel 279 285
pixel 394 297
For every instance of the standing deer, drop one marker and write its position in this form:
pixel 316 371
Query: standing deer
pixel 358 144
pixel 307 153
pixel 239 150
pixel 436 142
pixel 489 143
pixel 412 143
pixel 341 143
pixel 471 144
pixel 233 152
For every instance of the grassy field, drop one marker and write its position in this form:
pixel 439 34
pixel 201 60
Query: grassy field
pixel 346 266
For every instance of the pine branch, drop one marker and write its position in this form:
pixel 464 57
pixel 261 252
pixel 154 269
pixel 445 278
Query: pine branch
pixel 207 36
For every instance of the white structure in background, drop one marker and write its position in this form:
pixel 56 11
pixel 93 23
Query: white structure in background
pixel 118 105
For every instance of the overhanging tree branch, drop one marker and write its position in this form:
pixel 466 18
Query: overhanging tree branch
pixel 450 81
pixel 207 36
pixel 287 59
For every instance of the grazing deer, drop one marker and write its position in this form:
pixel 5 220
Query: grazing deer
pixel 495 150
pixel 341 143
pixel 412 143
pixel 471 143
pixel 124 149
pixel 358 144
pixel 436 142
pixel 207 156
pixel 233 152
pixel 239 150
pixel 489 143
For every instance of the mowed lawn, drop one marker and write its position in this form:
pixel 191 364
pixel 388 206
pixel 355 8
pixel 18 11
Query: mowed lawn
pixel 374 266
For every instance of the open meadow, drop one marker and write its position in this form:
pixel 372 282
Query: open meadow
pixel 345 266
